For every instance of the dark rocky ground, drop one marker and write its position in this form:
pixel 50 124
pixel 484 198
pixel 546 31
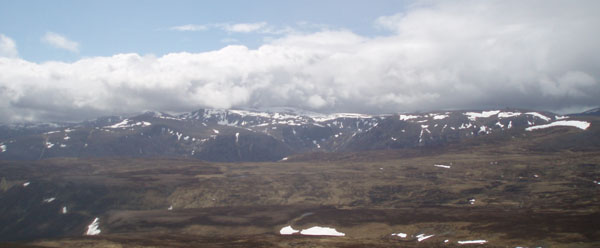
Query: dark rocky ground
pixel 529 191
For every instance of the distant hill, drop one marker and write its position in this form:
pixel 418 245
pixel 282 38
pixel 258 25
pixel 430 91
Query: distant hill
pixel 591 112
pixel 273 134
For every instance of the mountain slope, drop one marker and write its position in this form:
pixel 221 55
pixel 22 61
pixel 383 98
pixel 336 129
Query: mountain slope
pixel 270 135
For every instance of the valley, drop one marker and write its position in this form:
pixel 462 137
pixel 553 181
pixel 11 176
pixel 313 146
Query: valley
pixel 502 193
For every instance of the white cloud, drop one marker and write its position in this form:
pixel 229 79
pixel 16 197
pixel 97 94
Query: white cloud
pixel 8 47
pixel 60 41
pixel 445 55
pixel 243 27
pixel 253 27
pixel 190 27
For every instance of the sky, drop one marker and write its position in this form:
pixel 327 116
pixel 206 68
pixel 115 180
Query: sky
pixel 77 60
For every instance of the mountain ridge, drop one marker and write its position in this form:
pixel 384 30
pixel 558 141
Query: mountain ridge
pixel 230 135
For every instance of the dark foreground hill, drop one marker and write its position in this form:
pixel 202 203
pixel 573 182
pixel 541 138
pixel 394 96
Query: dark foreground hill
pixel 518 190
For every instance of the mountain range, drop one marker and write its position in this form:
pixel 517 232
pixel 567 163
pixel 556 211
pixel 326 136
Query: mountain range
pixel 281 133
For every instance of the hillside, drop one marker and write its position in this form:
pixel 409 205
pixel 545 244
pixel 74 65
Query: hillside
pixel 505 192
pixel 273 134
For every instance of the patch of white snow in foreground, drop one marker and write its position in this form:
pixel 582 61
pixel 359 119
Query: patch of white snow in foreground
pixel 583 125
pixel 422 237
pixel 442 166
pixel 64 210
pixel 288 230
pixel 401 235
pixel 321 231
pixel 48 200
pixel 26 184
pixel 93 228
pixel 467 242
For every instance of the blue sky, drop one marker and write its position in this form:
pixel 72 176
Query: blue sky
pixel 76 60
pixel 104 28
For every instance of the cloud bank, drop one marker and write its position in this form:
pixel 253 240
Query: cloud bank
pixel 437 55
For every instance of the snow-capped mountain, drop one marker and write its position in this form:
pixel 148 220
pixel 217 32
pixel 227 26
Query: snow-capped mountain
pixel 265 134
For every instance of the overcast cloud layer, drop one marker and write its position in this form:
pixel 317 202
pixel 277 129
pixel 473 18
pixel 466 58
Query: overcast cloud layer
pixel 438 55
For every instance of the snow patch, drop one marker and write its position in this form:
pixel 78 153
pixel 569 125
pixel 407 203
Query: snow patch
pixel 401 235
pixel 216 131
pixel 49 145
pixel 442 166
pixel 288 230
pixel 26 184
pixel 126 124
pixel 538 115
pixel 237 137
pixel 49 200
pixel 485 114
pixel 323 118
pixel 2 147
pixel 484 129
pixel 93 228
pixel 500 125
pixel 465 126
pixel 466 242
pixel 583 125
pixel 322 231
pixel 439 117
pixel 508 114
pixel 408 117
pixel 422 237
pixel 64 210
pixel 170 208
